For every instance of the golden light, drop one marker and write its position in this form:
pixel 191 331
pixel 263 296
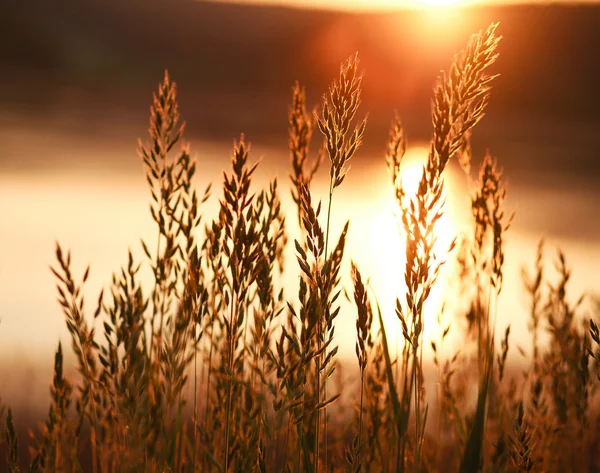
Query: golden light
pixel 381 250
pixel 441 3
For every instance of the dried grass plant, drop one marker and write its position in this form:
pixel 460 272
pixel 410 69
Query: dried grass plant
pixel 216 367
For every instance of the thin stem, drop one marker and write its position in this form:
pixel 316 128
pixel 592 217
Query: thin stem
pixel 195 403
pixel 232 323
pixel 206 403
pixel 417 406
pixel 318 400
pixel 93 430
pixel 301 437
pixel 418 389
pixel 325 336
pixel 180 443
pixel 360 414
pixel 328 215
pixel 479 341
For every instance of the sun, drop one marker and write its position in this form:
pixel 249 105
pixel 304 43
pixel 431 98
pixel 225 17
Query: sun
pixel 440 3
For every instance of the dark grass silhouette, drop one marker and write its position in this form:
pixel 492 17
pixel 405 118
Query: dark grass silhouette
pixel 259 358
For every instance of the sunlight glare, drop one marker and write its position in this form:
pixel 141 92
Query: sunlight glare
pixel 387 260
pixel 441 3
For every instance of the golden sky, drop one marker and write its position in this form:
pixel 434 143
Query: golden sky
pixel 398 4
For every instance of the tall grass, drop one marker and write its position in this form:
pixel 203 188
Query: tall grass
pixel 258 358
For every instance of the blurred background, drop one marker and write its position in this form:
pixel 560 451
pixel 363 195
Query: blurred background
pixel 76 84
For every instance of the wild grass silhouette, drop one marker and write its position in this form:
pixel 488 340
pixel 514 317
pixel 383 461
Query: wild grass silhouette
pixel 259 358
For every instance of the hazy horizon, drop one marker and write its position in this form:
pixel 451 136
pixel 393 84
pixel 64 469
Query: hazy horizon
pixel 394 5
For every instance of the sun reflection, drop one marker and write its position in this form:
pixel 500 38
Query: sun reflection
pixel 382 247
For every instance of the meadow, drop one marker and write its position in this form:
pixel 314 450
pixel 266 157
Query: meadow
pixel 217 366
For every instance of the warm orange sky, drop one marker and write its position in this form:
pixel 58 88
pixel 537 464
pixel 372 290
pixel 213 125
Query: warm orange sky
pixel 397 4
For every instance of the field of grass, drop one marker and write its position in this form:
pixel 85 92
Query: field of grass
pixel 259 358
